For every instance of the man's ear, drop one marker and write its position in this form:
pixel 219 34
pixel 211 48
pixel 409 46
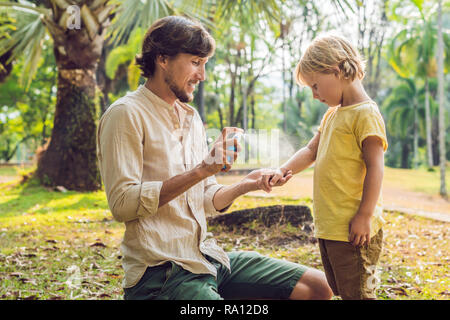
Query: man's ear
pixel 162 60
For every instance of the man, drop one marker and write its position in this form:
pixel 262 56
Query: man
pixel 159 180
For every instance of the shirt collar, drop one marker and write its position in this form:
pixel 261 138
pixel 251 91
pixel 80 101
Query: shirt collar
pixel 154 98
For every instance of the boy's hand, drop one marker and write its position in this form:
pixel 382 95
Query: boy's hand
pixel 359 230
pixel 280 177
pixel 260 180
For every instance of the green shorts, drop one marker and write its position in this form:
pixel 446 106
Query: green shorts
pixel 252 276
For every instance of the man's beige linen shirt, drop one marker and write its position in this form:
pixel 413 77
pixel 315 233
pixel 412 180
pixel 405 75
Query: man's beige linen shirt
pixel 140 143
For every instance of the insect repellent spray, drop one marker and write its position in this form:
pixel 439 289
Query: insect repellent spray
pixel 237 136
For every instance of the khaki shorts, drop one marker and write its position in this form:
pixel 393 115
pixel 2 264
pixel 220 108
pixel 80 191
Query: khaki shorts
pixel 252 276
pixel 351 271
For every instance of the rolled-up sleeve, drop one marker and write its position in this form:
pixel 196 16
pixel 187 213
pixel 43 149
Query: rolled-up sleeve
pixel 211 187
pixel 120 156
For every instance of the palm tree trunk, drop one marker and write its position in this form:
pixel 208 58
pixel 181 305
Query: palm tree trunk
pixel 440 58
pixel 283 63
pixel 219 110
pixel 252 108
pixel 428 125
pixel 415 139
pixel 103 82
pixel 245 121
pixel 405 154
pixel 244 108
pixel 70 159
pixel 231 103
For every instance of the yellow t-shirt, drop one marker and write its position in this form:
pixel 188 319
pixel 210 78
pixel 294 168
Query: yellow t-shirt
pixel 340 169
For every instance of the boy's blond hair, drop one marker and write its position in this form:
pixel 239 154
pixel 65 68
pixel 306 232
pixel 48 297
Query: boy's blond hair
pixel 327 52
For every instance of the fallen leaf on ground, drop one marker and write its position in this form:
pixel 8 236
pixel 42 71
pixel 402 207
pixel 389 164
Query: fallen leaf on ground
pixel 98 244
pixel 61 189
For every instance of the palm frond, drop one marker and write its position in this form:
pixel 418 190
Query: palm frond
pixel 133 14
pixel 133 75
pixel 25 40
pixel 116 57
pixel 33 57
pixel 124 54
pixel 407 52
pixel 90 21
pixel 419 5
pixel 24 5
pixel 248 14
pixel 199 10
pixel 342 6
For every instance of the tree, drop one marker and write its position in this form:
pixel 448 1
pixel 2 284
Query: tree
pixel 440 58
pixel 400 115
pixel 372 28
pixel 412 53
pixel 78 33
pixel 125 55
pixel 27 113
pixel 302 126
pixel 241 26
pixel 302 24
pixel 269 25
pixel 5 27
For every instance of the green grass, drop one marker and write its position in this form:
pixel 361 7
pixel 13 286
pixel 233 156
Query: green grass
pixel 419 180
pixel 57 245
pixel 44 234
pixel 8 171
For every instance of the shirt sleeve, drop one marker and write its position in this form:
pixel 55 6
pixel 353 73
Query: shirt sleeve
pixel 324 119
pixel 120 155
pixel 370 123
pixel 211 187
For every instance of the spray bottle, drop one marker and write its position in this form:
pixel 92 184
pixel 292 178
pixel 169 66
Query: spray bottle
pixel 237 136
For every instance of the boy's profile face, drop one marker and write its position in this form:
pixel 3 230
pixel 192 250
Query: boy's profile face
pixel 327 88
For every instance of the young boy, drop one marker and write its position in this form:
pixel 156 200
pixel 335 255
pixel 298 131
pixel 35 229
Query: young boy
pixel 348 151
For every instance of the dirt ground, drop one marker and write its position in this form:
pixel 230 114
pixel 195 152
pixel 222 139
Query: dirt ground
pixel 395 198
pixel 4 179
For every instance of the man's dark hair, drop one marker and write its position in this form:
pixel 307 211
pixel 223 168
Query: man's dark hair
pixel 170 36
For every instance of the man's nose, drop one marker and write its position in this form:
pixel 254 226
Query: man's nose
pixel 202 74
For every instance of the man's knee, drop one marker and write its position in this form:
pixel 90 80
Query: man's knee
pixel 312 285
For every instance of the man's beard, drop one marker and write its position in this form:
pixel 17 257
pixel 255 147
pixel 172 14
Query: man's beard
pixel 179 93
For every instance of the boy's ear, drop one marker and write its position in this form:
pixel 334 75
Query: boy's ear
pixel 337 72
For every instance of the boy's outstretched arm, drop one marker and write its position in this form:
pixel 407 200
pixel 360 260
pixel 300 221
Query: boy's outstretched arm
pixel 255 180
pixel 372 149
pixel 300 161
